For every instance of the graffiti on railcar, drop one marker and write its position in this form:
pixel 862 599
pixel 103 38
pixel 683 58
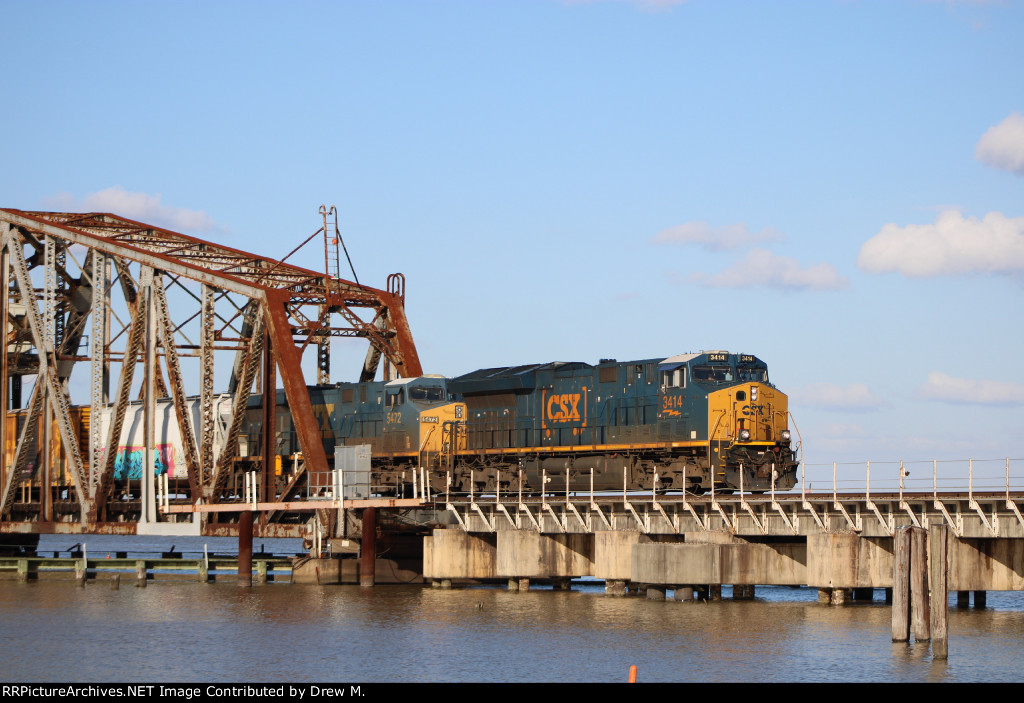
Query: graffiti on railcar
pixel 129 461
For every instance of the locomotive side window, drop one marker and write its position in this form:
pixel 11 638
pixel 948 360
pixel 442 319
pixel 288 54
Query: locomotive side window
pixel 396 397
pixel 674 378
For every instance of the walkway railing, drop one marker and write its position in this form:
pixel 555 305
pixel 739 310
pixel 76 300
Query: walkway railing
pixel 893 493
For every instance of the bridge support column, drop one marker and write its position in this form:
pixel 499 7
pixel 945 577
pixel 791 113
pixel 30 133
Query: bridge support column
pixel 963 599
pixel 615 587
pixel 980 598
pixel 531 555
pixel 743 592
pixel 453 554
pixel 655 593
pixel 683 594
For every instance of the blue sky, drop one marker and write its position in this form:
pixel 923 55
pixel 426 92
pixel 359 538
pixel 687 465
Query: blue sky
pixel 836 187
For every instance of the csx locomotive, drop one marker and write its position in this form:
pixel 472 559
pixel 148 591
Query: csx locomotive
pixel 693 421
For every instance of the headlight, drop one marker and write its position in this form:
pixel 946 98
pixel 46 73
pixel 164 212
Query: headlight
pixel 744 435
pixel 753 393
pixel 786 435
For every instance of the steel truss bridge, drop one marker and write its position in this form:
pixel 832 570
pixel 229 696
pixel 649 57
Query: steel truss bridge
pixel 106 293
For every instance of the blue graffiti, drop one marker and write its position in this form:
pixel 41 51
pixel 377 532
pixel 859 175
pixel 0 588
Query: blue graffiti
pixel 130 460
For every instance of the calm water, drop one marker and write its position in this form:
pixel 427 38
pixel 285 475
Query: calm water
pixel 182 631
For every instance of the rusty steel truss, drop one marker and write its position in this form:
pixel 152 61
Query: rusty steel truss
pixel 98 290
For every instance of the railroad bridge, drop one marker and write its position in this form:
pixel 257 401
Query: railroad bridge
pixel 916 544
pixel 106 293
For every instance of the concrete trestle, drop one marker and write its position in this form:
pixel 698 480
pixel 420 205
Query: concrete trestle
pixel 846 551
pixel 827 561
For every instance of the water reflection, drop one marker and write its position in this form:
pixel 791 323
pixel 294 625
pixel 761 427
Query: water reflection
pixel 180 631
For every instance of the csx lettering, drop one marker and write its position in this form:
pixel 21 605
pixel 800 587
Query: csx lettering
pixel 563 407
pixel 753 410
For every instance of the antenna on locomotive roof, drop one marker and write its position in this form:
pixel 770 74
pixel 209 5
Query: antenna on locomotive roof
pixel 332 261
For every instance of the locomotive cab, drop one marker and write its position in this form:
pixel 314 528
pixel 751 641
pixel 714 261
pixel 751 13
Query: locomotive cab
pixel 748 433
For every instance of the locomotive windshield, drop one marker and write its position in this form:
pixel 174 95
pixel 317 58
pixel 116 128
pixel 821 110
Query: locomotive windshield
pixel 752 373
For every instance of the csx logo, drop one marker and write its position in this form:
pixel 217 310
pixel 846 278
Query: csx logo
pixel 563 407
pixel 753 410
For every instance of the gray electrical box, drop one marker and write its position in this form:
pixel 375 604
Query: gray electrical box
pixel 354 463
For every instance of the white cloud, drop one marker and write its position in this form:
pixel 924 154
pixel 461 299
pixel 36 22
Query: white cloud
pixel 1002 146
pixel 856 397
pixel 953 245
pixel 716 238
pixel 142 207
pixel 967 391
pixel 763 268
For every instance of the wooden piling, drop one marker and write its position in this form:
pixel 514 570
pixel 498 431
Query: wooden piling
pixel 140 574
pixel 245 548
pixel 115 582
pixel 920 612
pixel 901 586
pixel 937 548
pixel 368 548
